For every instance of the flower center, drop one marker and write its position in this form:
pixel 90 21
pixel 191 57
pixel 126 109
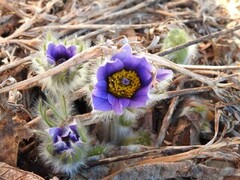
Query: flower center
pixel 61 60
pixel 123 83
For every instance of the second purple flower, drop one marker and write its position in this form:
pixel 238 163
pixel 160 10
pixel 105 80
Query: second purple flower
pixel 57 54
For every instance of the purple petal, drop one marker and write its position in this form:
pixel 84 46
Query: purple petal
pixel 66 132
pixel 73 132
pixel 142 91
pixel 101 104
pixel 113 66
pixel 163 74
pixel 126 51
pixel 138 102
pixel 144 70
pixel 124 101
pixel 144 64
pixel 140 98
pixel 60 146
pixel 50 49
pixel 55 132
pixel 100 90
pixel 51 60
pixel 71 51
pixel 130 62
pixel 73 128
pixel 145 77
pixel 60 51
pixel 101 73
pixel 74 137
pixel 109 68
pixel 57 54
pixel 116 105
pixel 100 93
pixel 49 53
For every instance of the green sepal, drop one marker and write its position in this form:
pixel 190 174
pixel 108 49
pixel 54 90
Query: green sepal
pixel 82 133
pixel 64 78
pixel 125 123
pixel 79 153
pixel 174 38
pixel 143 138
pixel 43 113
pixel 199 109
pixel 61 112
pixel 50 149
pixel 97 150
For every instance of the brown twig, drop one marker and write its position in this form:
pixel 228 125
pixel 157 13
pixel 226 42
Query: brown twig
pixel 96 26
pixel 117 14
pixel 156 151
pixel 180 156
pixel 216 124
pixel 177 3
pixel 165 62
pixel 183 169
pixel 216 68
pixel 127 11
pixel 167 118
pixel 6 5
pixel 192 153
pixel 25 26
pixel 14 64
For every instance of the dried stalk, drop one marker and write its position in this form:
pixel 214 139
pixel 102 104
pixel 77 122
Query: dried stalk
pixel 14 64
pixel 151 151
pixel 216 68
pixel 167 118
pixel 96 26
pixel 125 11
pixel 165 62
pixel 192 153
pixel 195 153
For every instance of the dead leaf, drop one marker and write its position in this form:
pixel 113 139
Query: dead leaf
pixel 8 172
pixel 11 133
pixel 162 170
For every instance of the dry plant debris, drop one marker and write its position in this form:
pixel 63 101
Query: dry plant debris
pixel 193 131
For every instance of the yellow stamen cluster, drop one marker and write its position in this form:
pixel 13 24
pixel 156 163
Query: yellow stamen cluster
pixel 120 89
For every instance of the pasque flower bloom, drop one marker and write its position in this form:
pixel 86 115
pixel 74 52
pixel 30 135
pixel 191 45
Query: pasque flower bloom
pixel 53 55
pixel 57 54
pixel 65 139
pixel 122 82
pixel 65 148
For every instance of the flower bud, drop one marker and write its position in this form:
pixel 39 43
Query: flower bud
pixel 175 37
pixel 64 144
pixel 64 148
pixel 52 53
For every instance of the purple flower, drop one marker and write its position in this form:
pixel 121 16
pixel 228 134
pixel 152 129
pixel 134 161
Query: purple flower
pixel 57 54
pixel 63 138
pixel 163 74
pixel 122 82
